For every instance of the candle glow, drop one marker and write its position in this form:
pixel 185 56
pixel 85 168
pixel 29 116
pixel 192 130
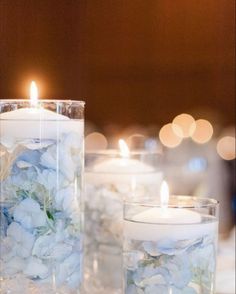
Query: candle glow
pixel 124 149
pixel 164 195
pixel 33 94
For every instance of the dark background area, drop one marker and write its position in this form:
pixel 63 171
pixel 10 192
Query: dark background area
pixel 132 61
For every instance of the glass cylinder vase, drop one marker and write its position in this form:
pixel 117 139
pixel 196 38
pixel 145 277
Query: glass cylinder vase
pixel 109 178
pixel 41 165
pixel 170 249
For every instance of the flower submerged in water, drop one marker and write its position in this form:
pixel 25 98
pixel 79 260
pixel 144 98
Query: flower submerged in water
pixel 21 240
pixel 70 271
pixel 29 214
pixel 35 268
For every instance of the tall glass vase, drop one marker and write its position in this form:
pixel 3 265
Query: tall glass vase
pixel 110 179
pixel 41 166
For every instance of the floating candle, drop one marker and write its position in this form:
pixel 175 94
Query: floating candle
pixel 155 223
pixel 35 121
pixel 124 169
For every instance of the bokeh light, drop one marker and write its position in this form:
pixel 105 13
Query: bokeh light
pixel 168 137
pixel 226 147
pixel 203 131
pixel 184 125
pixel 95 141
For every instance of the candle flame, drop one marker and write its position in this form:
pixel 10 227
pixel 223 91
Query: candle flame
pixel 164 194
pixel 33 94
pixel 124 149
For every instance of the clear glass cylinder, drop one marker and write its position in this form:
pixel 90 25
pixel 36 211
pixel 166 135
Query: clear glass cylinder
pixel 170 249
pixel 41 166
pixel 109 178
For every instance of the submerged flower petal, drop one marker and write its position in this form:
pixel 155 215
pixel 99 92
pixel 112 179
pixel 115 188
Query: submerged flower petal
pixel 68 267
pixel 23 240
pixel 29 214
pixel 35 268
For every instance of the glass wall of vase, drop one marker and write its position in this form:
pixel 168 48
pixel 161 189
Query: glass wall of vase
pixel 41 164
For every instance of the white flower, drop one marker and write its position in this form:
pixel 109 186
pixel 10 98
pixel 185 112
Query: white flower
pixel 74 280
pixel 131 259
pixel 151 248
pixel 29 214
pixel 68 268
pixel 21 240
pixel 49 158
pixel 66 165
pixel 36 144
pixel 36 268
pixel 66 200
pixel 150 274
pixel 158 289
pixel 132 289
pixel 46 247
pixel 179 270
pixel 8 142
pixel 6 245
pixel 48 178
pixel 14 265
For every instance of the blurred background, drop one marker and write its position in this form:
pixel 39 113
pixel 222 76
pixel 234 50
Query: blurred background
pixel 158 73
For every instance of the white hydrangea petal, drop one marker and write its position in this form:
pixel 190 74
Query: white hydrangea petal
pixel 36 268
pixel 35 145
pixel 29 214
pixel 49 158
pixel 156 289
pixel 23 240
pixel 74 280
pixel 14 265
pixel 42 246
pixel 68 267
pixel 7 250
pixel 60 251
pixel 48 178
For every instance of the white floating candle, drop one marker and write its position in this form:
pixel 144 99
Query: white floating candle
pixel 123 170
pixel 167 222
pixel 35 121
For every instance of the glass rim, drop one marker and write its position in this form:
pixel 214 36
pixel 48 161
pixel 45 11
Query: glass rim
pixel 200 202
pixel 79 102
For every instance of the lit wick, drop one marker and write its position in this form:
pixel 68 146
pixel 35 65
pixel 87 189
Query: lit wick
pixel 33 94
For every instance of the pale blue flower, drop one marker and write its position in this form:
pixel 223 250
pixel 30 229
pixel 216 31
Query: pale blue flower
pixel 23 179
pixel 49 179
pixel 150 274
pixel 131 259
pixel 169 246
pixel 15 265
pixel 67 200
pixel 21 240
pixel 132 289
pixel 30 156
pixel 46 247
pixel 69 267
pixel 156 289
pixel 35 268
pixel 29 214
pixel 179 269
pixel 49 158
pixel 34 144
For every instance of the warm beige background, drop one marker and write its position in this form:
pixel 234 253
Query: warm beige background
pixel 132 60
